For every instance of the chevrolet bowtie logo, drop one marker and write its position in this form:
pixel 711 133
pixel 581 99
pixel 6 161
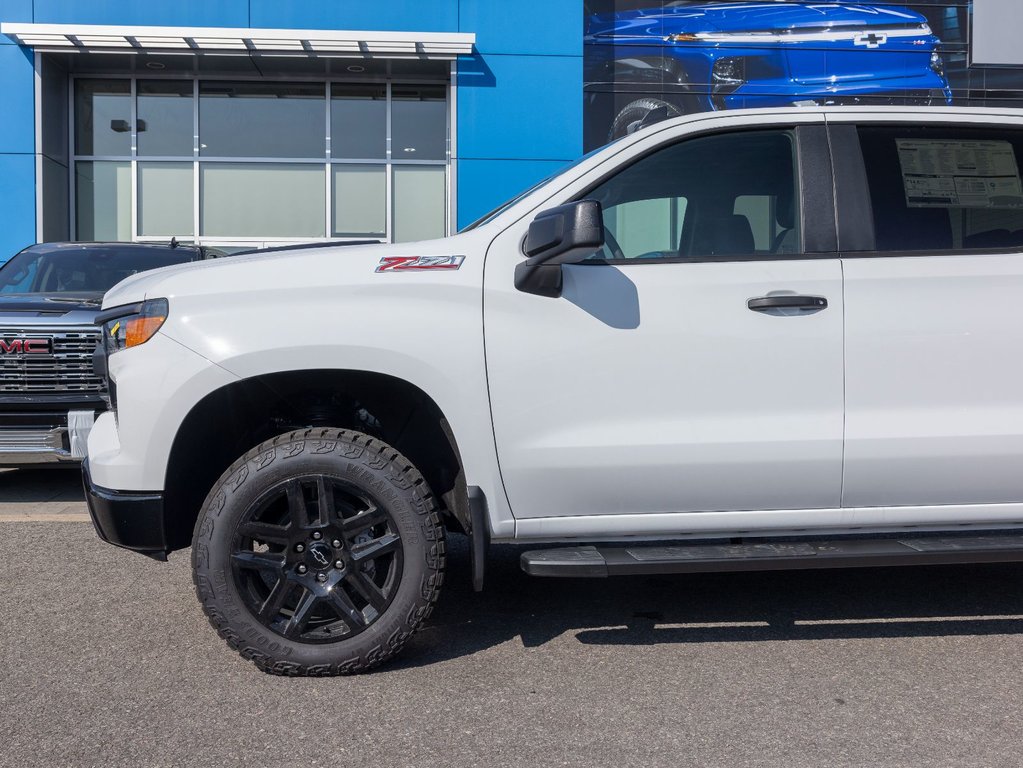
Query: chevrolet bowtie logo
pixel 871 39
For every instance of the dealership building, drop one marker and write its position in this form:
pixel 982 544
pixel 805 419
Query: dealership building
pixel 251 122
pixel 244 123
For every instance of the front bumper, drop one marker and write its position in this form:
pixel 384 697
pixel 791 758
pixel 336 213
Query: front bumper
pixel 32 440
pixel 129 520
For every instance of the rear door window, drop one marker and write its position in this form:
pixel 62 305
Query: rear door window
pixel 944 188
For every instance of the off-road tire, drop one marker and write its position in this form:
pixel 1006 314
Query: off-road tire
pixel 635 112
pixel 363 461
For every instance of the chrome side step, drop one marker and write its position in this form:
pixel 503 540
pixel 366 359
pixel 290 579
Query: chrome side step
pixel 602 561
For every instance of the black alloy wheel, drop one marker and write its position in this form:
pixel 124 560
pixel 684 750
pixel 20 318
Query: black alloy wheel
pixel 319 552
pixel 316 559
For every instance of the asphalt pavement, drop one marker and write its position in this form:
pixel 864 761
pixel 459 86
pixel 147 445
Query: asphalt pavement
pixel 107 660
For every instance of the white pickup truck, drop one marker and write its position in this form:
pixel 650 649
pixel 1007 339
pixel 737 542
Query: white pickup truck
pixel 753 340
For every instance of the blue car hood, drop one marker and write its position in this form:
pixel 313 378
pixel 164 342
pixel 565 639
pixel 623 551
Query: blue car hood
pixel 753 17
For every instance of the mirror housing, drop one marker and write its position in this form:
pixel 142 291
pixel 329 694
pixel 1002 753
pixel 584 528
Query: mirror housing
pixel 563 235
pixel 566 234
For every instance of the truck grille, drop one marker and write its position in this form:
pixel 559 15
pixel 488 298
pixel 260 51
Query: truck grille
pixel 67 369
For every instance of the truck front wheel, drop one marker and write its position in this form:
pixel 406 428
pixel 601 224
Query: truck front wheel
pixel 319 552
pixel 633 114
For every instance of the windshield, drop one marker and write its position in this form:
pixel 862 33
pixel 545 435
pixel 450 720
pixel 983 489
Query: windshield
pixel 83 270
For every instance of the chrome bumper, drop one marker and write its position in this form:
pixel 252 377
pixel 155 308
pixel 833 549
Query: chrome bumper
pixel 52 445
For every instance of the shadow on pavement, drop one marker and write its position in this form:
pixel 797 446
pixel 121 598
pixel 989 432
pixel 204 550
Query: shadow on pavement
pixel 852 604
pixel 57 483
pixel 915 602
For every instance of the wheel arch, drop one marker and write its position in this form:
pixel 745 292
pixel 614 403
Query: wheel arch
pixel 230 420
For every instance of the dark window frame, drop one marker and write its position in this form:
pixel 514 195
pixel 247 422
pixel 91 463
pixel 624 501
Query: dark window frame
pixel 857 238
pixel 815 187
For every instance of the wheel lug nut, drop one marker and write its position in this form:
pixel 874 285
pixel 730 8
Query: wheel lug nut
pixel 321 577
pixel 336 543
pixel 302 568
pixel 300 547
pixel 317 535
pixel 339 564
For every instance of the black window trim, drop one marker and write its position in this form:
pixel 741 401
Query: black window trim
pixel 818 231
pixel 855 213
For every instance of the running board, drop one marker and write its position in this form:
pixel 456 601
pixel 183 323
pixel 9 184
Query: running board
pixel 599 562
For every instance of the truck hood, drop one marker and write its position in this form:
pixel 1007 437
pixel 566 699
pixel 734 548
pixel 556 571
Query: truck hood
pixel 35 309
pixel 305 268
pixel 754 17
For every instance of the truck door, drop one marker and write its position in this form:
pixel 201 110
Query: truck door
pixel 931 233
pixel 696 362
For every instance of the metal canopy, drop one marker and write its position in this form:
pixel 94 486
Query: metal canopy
pixel 314 42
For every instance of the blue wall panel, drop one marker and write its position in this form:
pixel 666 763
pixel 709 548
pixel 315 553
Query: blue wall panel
pixel 191 13
pixel 17 204
pixel 548 27
pixel 527 107
pixel 17 99
pixel 519 97
pixel 14 10
pixel 485 184
pixel 393 15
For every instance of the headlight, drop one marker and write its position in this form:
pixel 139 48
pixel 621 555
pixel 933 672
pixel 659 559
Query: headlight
pixel 129 326
pixel 729 72
pixel 937 65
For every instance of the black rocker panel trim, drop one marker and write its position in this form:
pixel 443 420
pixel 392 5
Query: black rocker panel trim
pixel 590 561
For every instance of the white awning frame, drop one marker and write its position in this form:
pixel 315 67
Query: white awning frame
pixel 313 42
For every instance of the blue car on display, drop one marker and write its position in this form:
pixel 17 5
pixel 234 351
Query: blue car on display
pixel 694 57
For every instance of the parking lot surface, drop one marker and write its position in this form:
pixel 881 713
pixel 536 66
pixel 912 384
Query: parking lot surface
pixel 107 660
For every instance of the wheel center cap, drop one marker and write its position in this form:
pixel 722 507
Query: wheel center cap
pixel 320 556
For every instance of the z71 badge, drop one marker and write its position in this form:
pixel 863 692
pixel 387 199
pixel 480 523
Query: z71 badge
pixel 416 263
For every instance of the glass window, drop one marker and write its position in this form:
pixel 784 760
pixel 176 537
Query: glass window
pixel 419 128
pixel 19 274
pixel 166 199
pixel 262 119
pixel 262 200
pixel 648 227
pixel 360 200
pixel 165 118
pixel 267 169
pixel 103 200
pixel 358 122
pixel 95 269
pixel 944 189
pixel 717 196
pixel 103 117
pixel 772 226
pixel 419 194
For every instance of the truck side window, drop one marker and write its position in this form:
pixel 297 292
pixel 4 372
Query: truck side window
pixel 942 188
pixel 726 195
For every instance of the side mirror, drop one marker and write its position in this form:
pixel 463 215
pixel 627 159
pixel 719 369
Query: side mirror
pixel 566 234
pixel 563 235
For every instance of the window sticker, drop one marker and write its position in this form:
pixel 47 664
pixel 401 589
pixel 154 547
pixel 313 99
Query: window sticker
pixel 960 174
